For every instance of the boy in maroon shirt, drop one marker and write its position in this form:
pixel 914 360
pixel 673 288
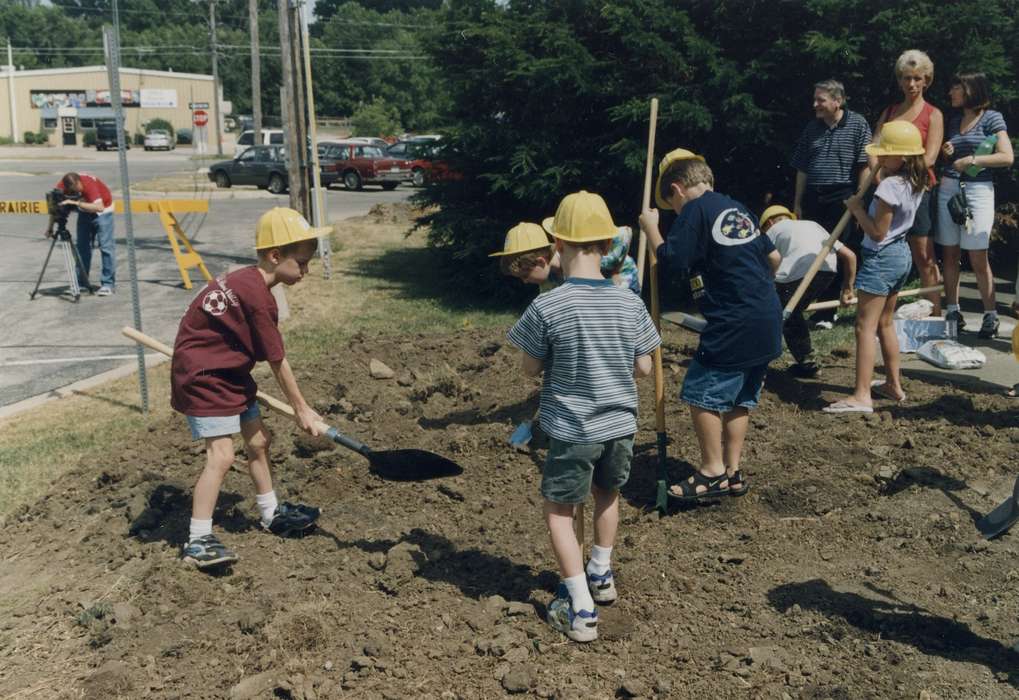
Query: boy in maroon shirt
pixel 229 326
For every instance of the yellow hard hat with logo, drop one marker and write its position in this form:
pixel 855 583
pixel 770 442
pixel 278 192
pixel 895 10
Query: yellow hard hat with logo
pixel 670 158
pixel 773 211
pixel 898 138
pixel 282 226
pixel 522 238
pixel 582 217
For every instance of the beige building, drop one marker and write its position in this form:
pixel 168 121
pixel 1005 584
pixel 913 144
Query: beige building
pixel 66 101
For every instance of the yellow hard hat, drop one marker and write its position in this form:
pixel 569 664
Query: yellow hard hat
pixel 522 238
pixel 773 211
pixel 670 158
pixel 582 217
pixel 898 138
pixel 282 226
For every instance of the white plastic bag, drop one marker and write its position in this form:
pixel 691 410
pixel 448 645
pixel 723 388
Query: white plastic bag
pixel 921 308
pixel 948 354
pixel 912 333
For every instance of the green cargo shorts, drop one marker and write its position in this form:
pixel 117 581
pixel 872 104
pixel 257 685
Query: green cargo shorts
pixel 570 468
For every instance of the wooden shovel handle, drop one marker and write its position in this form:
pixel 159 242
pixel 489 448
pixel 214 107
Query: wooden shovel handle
pixel 825 249
pixel 269 401
pixel 646 201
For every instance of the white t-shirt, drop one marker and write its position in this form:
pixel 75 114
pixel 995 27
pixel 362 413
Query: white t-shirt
pixel 799 242
pixel 897 193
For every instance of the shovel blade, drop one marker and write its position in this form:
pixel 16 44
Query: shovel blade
pixel 522 435
pixel 999 520
pixel 412 465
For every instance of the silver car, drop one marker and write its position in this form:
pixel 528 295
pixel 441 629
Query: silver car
pixel 159 139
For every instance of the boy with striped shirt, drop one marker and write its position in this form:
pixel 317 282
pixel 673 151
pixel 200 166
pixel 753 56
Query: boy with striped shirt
pixel 595 338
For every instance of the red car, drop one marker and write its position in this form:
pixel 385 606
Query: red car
pixel 358 164
pixel 424 166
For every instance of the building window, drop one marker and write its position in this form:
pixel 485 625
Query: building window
pixel 48 123
pixel 86 123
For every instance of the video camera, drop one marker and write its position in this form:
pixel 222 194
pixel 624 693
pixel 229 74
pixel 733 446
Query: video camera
pixel 54 205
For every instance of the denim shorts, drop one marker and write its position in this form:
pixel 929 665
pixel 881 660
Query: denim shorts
pixel 571 467
pixel 883 272
pixel 722 390
pixel 216 426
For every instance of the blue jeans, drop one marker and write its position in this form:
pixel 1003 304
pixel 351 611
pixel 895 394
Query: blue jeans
pixel 722 390
pixel 99 226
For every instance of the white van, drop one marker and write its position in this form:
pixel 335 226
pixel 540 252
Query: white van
pixel 270 137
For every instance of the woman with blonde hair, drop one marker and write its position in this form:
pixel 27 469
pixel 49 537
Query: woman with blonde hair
pixel 914 72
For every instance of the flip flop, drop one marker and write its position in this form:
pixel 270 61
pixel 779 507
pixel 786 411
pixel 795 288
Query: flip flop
pixel 878 387
pixel 846 407
pixel 1013 393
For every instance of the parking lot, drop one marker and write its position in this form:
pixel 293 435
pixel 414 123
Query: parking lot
pixel 51 342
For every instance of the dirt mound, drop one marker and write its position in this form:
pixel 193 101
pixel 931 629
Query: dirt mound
pixel 851 569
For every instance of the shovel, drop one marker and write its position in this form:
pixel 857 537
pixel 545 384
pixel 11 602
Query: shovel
pixel 396 465
pixel 999 520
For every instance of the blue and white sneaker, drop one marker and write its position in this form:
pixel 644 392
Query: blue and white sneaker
pixel 603 587
pixel 291 519
pixel 207 551
pixel 579 626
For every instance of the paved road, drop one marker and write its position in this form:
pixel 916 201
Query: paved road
pixel 47 343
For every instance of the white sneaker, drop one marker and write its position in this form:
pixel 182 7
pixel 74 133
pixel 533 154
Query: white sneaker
pixel 824 325
pixel 104 291
pixel 602 587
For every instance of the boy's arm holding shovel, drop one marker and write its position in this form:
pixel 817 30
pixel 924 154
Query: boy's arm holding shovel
pixel 306 418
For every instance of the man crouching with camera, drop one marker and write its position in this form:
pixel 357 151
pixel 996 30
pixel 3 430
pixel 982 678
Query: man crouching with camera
pixel 95 223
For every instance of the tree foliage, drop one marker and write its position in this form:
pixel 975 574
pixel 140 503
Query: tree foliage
pixel 376 119
pixel 552 96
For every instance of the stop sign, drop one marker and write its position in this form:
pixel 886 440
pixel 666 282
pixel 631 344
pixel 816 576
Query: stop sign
pixel 201 117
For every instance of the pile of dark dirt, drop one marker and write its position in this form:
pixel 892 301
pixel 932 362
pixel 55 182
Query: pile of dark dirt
pixel 851 570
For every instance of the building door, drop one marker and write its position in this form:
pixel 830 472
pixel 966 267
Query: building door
pixel 68 129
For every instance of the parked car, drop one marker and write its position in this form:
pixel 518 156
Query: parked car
pixel 357 164
pixel 270 137
pixel 106 136
pixel 185 136
pixel 262 166
pixel 159 138
pixel 425 166
pixel 369 141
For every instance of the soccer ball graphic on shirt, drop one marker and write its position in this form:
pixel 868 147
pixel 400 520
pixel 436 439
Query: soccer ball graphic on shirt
pixel 215 302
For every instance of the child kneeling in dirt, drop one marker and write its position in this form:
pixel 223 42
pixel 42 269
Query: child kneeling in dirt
pixel 718 236
pixel 799 242
pixel 596 337
pixel 229 326
pixel 528 256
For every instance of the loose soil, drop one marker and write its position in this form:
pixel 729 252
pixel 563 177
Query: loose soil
pixel 851 570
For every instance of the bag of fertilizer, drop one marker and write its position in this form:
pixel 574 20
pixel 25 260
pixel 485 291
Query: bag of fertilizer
pixel 914 310
pixel 912 333
pixel 948 354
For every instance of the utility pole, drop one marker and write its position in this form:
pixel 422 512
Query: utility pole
pixel 10 92
pixel 291 117
pixel 296 60
pixel 318 210
pixel 256 72
pixel 215 78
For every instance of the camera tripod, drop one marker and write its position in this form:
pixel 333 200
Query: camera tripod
pixel 72 263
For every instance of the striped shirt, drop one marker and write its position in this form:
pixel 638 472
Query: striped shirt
pixel 588 333
pixel 828 155
pixel 990 122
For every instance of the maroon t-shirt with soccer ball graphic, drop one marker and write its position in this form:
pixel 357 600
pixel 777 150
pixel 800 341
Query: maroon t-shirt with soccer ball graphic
pixel 229 326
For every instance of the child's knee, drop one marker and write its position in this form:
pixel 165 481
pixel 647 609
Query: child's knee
pixel 258 444
pixel 220 454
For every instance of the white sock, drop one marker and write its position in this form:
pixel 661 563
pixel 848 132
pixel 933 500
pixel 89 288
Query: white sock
pixel 951 307
pixel 600 559
pixel 266 505
pixel 199 528
pixel 577 586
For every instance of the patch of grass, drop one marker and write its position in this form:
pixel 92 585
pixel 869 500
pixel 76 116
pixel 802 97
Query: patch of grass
pixel 96 620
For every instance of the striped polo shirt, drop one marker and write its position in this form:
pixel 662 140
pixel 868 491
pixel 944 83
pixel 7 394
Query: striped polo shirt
pixel 828 155
pixel 589 333
pixel 990 122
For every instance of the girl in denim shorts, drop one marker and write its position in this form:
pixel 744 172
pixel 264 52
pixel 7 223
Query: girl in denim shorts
pixel 886 260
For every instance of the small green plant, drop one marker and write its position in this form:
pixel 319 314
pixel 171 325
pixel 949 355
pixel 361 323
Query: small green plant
pixel 160 124
pixel 5 141
pixel 28 137
pixel 97 620
pixel 88 137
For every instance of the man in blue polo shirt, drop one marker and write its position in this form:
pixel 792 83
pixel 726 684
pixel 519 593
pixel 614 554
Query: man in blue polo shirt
pixel 830 161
